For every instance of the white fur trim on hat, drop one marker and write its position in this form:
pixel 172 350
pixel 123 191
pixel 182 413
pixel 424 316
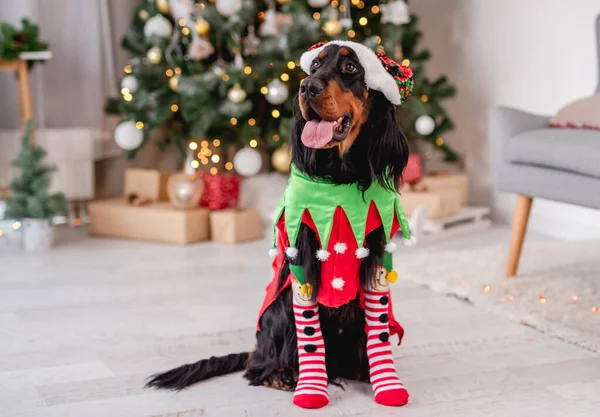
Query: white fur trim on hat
pixel 376 77
pixel 273 252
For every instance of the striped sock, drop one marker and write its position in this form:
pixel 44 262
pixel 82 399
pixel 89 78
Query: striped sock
pixel 387 387
pixel 311 391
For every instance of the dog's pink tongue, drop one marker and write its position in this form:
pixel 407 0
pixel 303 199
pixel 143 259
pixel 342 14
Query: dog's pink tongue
pixel 317 134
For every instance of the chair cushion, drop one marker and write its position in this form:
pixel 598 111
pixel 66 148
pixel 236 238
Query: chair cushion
pixel 574 150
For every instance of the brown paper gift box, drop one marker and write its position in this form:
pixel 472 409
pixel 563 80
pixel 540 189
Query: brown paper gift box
pixel 158 222
pixel 150 183
pixel 444 182
pixel 441 203
pixel 233 226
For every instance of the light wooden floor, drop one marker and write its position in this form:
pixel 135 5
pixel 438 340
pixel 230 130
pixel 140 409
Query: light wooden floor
pixel 82 326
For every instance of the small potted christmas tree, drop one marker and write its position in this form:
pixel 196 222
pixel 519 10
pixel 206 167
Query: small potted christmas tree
pixel 29 199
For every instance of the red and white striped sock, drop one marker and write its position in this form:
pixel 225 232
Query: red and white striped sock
pixel 311 391
pixel 387 387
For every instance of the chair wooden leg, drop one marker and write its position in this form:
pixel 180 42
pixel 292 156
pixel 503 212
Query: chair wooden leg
pixel 518 233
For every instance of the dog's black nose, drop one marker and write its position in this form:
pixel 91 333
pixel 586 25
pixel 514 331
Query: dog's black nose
pixel 311 88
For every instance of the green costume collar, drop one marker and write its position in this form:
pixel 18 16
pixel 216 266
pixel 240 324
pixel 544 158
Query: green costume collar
pixel 322 197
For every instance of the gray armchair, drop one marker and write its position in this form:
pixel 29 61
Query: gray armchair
pixel 534 160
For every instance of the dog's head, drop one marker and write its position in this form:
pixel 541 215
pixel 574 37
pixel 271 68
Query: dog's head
pixel 345 128
pixel 333 99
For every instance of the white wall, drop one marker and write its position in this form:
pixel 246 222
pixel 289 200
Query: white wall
pixel 532 54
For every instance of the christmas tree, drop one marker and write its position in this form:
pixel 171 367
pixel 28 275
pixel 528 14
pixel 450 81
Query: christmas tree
pixel 29 196
pixel 223 72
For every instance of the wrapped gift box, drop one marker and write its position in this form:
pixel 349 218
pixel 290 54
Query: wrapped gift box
pixel 447 181
pixel 441 203
pixel 220 191
pixel 233 226
pixel 150 183
pixel 158 222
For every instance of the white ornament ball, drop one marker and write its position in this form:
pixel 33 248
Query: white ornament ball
pixel 247 162
pixel 278 92
pixel 228 7
pixel 425 125
pixel 158 26
pixel 130 82
pixel 127 136
pixel 318 3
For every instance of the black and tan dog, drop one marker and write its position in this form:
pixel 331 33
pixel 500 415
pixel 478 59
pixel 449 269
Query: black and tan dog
pixel 327 316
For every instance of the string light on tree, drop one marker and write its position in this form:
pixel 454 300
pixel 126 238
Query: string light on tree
pixel 275 113
pixel 193 146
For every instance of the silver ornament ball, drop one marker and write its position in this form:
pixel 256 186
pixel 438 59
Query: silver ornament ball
pixel 278 92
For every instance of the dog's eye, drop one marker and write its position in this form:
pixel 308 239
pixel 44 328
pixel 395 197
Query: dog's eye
pixel 349 67
pixel 315 64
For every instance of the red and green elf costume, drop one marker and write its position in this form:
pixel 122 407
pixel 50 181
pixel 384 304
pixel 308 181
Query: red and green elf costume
pixel 341 219
pixel 341 216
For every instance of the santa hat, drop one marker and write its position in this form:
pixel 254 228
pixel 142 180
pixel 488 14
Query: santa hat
pixel 381 73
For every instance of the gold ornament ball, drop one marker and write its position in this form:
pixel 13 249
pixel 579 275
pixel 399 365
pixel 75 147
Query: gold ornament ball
pixel 282 159
pixel 333 27
pixel 202 27
pixel 143 15
pixel 163 6
pixel 154 54
pixel 236 94
pixel 174 82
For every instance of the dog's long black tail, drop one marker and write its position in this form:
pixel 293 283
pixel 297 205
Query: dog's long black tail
pixel 186 375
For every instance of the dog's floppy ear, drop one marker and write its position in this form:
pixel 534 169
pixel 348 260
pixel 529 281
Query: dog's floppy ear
pixel 388 146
